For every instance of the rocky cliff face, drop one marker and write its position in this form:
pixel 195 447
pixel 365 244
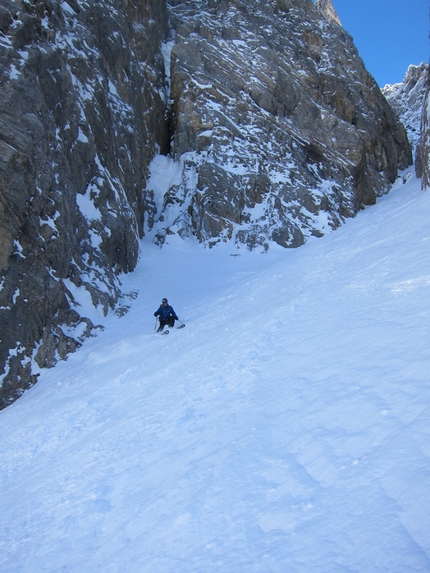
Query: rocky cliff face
pixel 81 116
pixel 423 148
pixel 407 99
pixel 411 102
pixel 278 131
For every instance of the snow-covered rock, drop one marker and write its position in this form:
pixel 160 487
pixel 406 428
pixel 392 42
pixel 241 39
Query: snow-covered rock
pixel 277 131
pixel 423 149
pixel 81 115
pixel 280 130
pixel 407 98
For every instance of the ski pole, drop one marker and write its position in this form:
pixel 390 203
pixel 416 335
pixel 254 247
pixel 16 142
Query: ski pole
pixel 155 325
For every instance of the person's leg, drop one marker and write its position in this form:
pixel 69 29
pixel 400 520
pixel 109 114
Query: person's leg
pixel 171 322
pixel 162 324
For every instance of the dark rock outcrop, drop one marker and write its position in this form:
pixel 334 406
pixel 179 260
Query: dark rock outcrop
pixel 81 115
pixel 423 149
pixel 281 131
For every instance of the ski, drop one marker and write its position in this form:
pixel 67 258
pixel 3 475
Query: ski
pixel 167 331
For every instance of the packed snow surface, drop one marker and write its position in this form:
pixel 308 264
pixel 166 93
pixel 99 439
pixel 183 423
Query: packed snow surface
pixel 286 429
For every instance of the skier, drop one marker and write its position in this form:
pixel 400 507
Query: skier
pixel 166 315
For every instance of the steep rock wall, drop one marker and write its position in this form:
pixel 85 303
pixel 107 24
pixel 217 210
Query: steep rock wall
pixel 280 130
pixel 406 99
pixel 423 149
pixel 81 115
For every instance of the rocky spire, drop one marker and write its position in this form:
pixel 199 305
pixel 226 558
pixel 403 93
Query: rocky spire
pixel 328 11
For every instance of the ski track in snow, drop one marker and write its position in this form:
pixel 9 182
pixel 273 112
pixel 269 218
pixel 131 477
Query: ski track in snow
pixel 285 429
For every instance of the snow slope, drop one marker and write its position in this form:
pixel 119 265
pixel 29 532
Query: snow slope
pixel 286 429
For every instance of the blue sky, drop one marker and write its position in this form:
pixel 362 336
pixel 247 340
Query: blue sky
pixel 389 35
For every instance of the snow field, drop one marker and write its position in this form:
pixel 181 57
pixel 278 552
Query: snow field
pixel 285 429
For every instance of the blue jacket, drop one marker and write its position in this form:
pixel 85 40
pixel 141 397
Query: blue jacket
pixel 165 312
